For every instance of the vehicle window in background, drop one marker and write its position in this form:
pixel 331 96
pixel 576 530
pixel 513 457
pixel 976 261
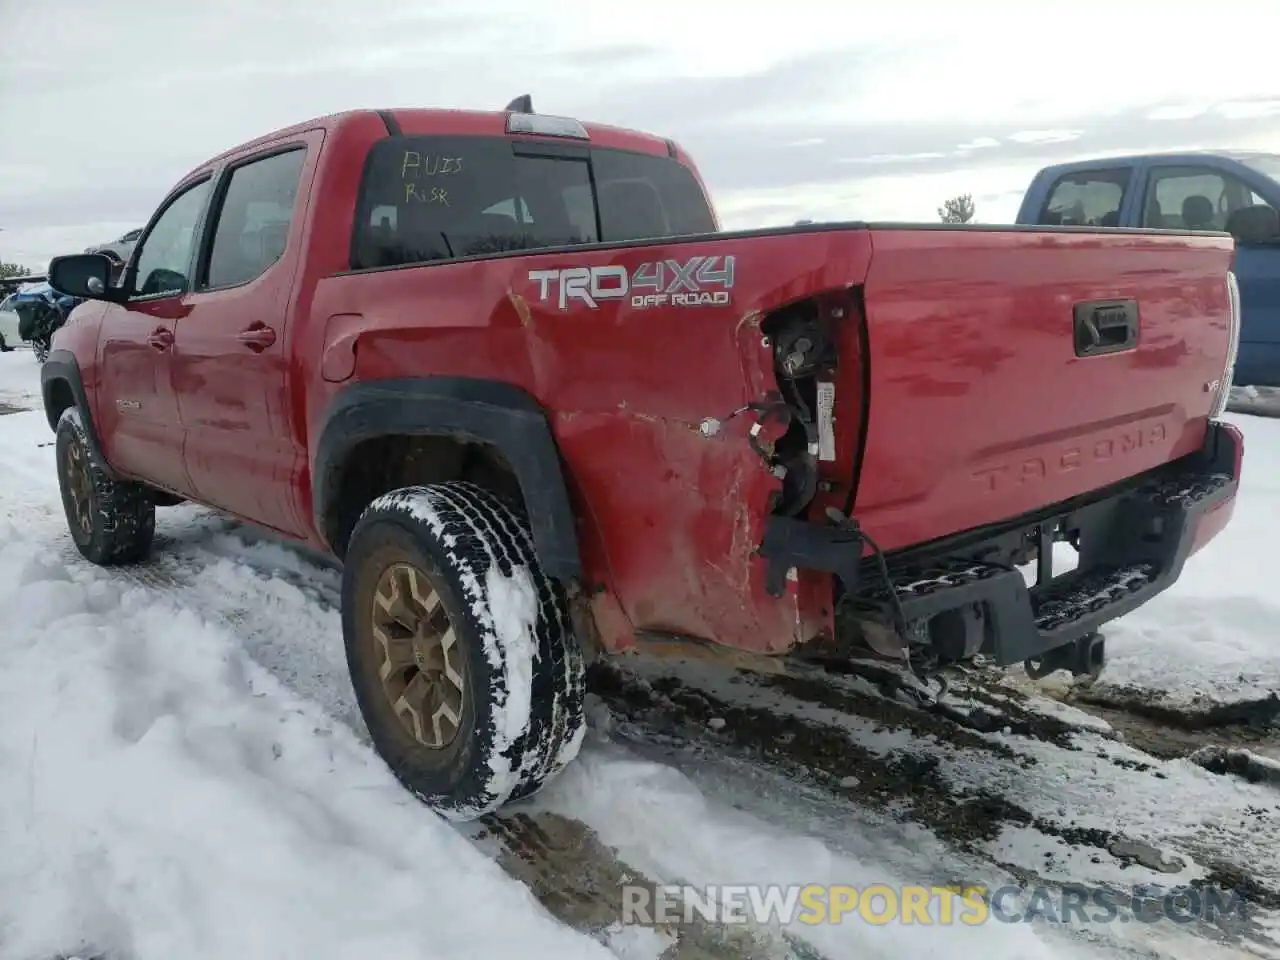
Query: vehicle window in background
pixel 1266 164
pixel 1193 198
pixel 164 259
pixel 1089 198
pixel 438 198
pixel 254 218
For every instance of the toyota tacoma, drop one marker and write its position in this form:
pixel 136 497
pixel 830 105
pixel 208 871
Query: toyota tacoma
pixel 508 368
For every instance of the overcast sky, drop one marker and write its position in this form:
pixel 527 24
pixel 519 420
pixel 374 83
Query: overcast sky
pixel 794 108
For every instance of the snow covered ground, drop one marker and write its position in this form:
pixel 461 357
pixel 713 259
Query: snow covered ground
pixel 183 772
pixel 1216 635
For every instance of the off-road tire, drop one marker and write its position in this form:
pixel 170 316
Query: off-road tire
pixel 122 515
pixel 522 716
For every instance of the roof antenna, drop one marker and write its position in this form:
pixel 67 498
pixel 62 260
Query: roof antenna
pixel 521 104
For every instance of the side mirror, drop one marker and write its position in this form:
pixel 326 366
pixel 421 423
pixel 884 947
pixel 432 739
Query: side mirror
pixel 1256 224
pixel 86 276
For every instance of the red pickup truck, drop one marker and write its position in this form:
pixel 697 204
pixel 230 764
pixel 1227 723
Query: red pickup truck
pixel 508 368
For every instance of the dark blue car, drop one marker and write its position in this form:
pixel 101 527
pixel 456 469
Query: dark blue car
pixel 38 291
pixel 1236 192
pixel 26 292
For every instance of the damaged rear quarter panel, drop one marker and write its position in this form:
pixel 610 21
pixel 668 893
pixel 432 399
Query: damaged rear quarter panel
pixel 668 517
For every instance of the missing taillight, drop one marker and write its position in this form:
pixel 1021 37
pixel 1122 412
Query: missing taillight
pixel 805 361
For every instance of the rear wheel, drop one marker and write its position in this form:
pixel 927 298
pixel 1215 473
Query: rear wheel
pixel 111 521
pixel 461 651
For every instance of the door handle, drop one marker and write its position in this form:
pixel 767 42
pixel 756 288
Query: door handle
pixel 161 338
pixel 257 337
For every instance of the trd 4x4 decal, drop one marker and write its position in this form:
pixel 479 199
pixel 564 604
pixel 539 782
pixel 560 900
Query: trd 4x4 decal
pixel 662 283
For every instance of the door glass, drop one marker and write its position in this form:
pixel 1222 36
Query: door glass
pixel 164 258
pixel 1194 198
pixel 253 223
pixel 1088 198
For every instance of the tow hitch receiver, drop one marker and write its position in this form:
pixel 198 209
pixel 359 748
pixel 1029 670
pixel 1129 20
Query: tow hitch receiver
pixel 1084 657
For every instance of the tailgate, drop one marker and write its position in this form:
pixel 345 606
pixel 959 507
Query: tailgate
pixel 1014 369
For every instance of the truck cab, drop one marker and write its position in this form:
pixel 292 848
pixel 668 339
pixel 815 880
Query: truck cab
pixel 1235 192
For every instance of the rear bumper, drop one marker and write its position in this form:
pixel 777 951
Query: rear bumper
pixel 1133 541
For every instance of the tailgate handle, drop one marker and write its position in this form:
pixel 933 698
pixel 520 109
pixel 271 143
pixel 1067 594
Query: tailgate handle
pixel 1105 326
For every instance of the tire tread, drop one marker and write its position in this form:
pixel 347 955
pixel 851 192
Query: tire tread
pixel 477 530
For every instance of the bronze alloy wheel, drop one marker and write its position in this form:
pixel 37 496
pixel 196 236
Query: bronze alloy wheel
pixel 421 663
pixel 79 486
pixel 112 521
pixel 471 686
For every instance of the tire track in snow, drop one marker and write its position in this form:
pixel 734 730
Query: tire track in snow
pixel 1034 795
pixel 859 746
pixel 282 603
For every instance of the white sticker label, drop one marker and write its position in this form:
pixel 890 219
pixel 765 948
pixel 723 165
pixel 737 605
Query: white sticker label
pixel 826 420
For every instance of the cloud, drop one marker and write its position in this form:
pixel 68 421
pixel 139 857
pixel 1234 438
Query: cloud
pixel 1046 136
pixel 789 114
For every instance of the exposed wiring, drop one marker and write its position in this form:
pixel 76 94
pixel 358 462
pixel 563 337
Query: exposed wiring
pixel 899 615
pixel 849 523
pixel 767 410
pixel 782 414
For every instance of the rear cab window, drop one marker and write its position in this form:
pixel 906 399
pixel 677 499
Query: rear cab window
pixel 1087 198
pixel 426 199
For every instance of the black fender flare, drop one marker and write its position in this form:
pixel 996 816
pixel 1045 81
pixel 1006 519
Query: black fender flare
pixel 62 367
pixel 485 411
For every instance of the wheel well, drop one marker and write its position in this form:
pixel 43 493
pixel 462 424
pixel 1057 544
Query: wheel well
pixel 382 464
pixel 59 398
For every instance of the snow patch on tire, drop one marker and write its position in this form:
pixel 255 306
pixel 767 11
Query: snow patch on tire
pixel 513 604
pixel 513 601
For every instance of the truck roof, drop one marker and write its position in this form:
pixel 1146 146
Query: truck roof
pixel 422 121
pixel 1174 157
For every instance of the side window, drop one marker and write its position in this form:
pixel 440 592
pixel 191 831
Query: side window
pixel 1194 198
pixel 254 218
pixel 164 258
pixel 1087 198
